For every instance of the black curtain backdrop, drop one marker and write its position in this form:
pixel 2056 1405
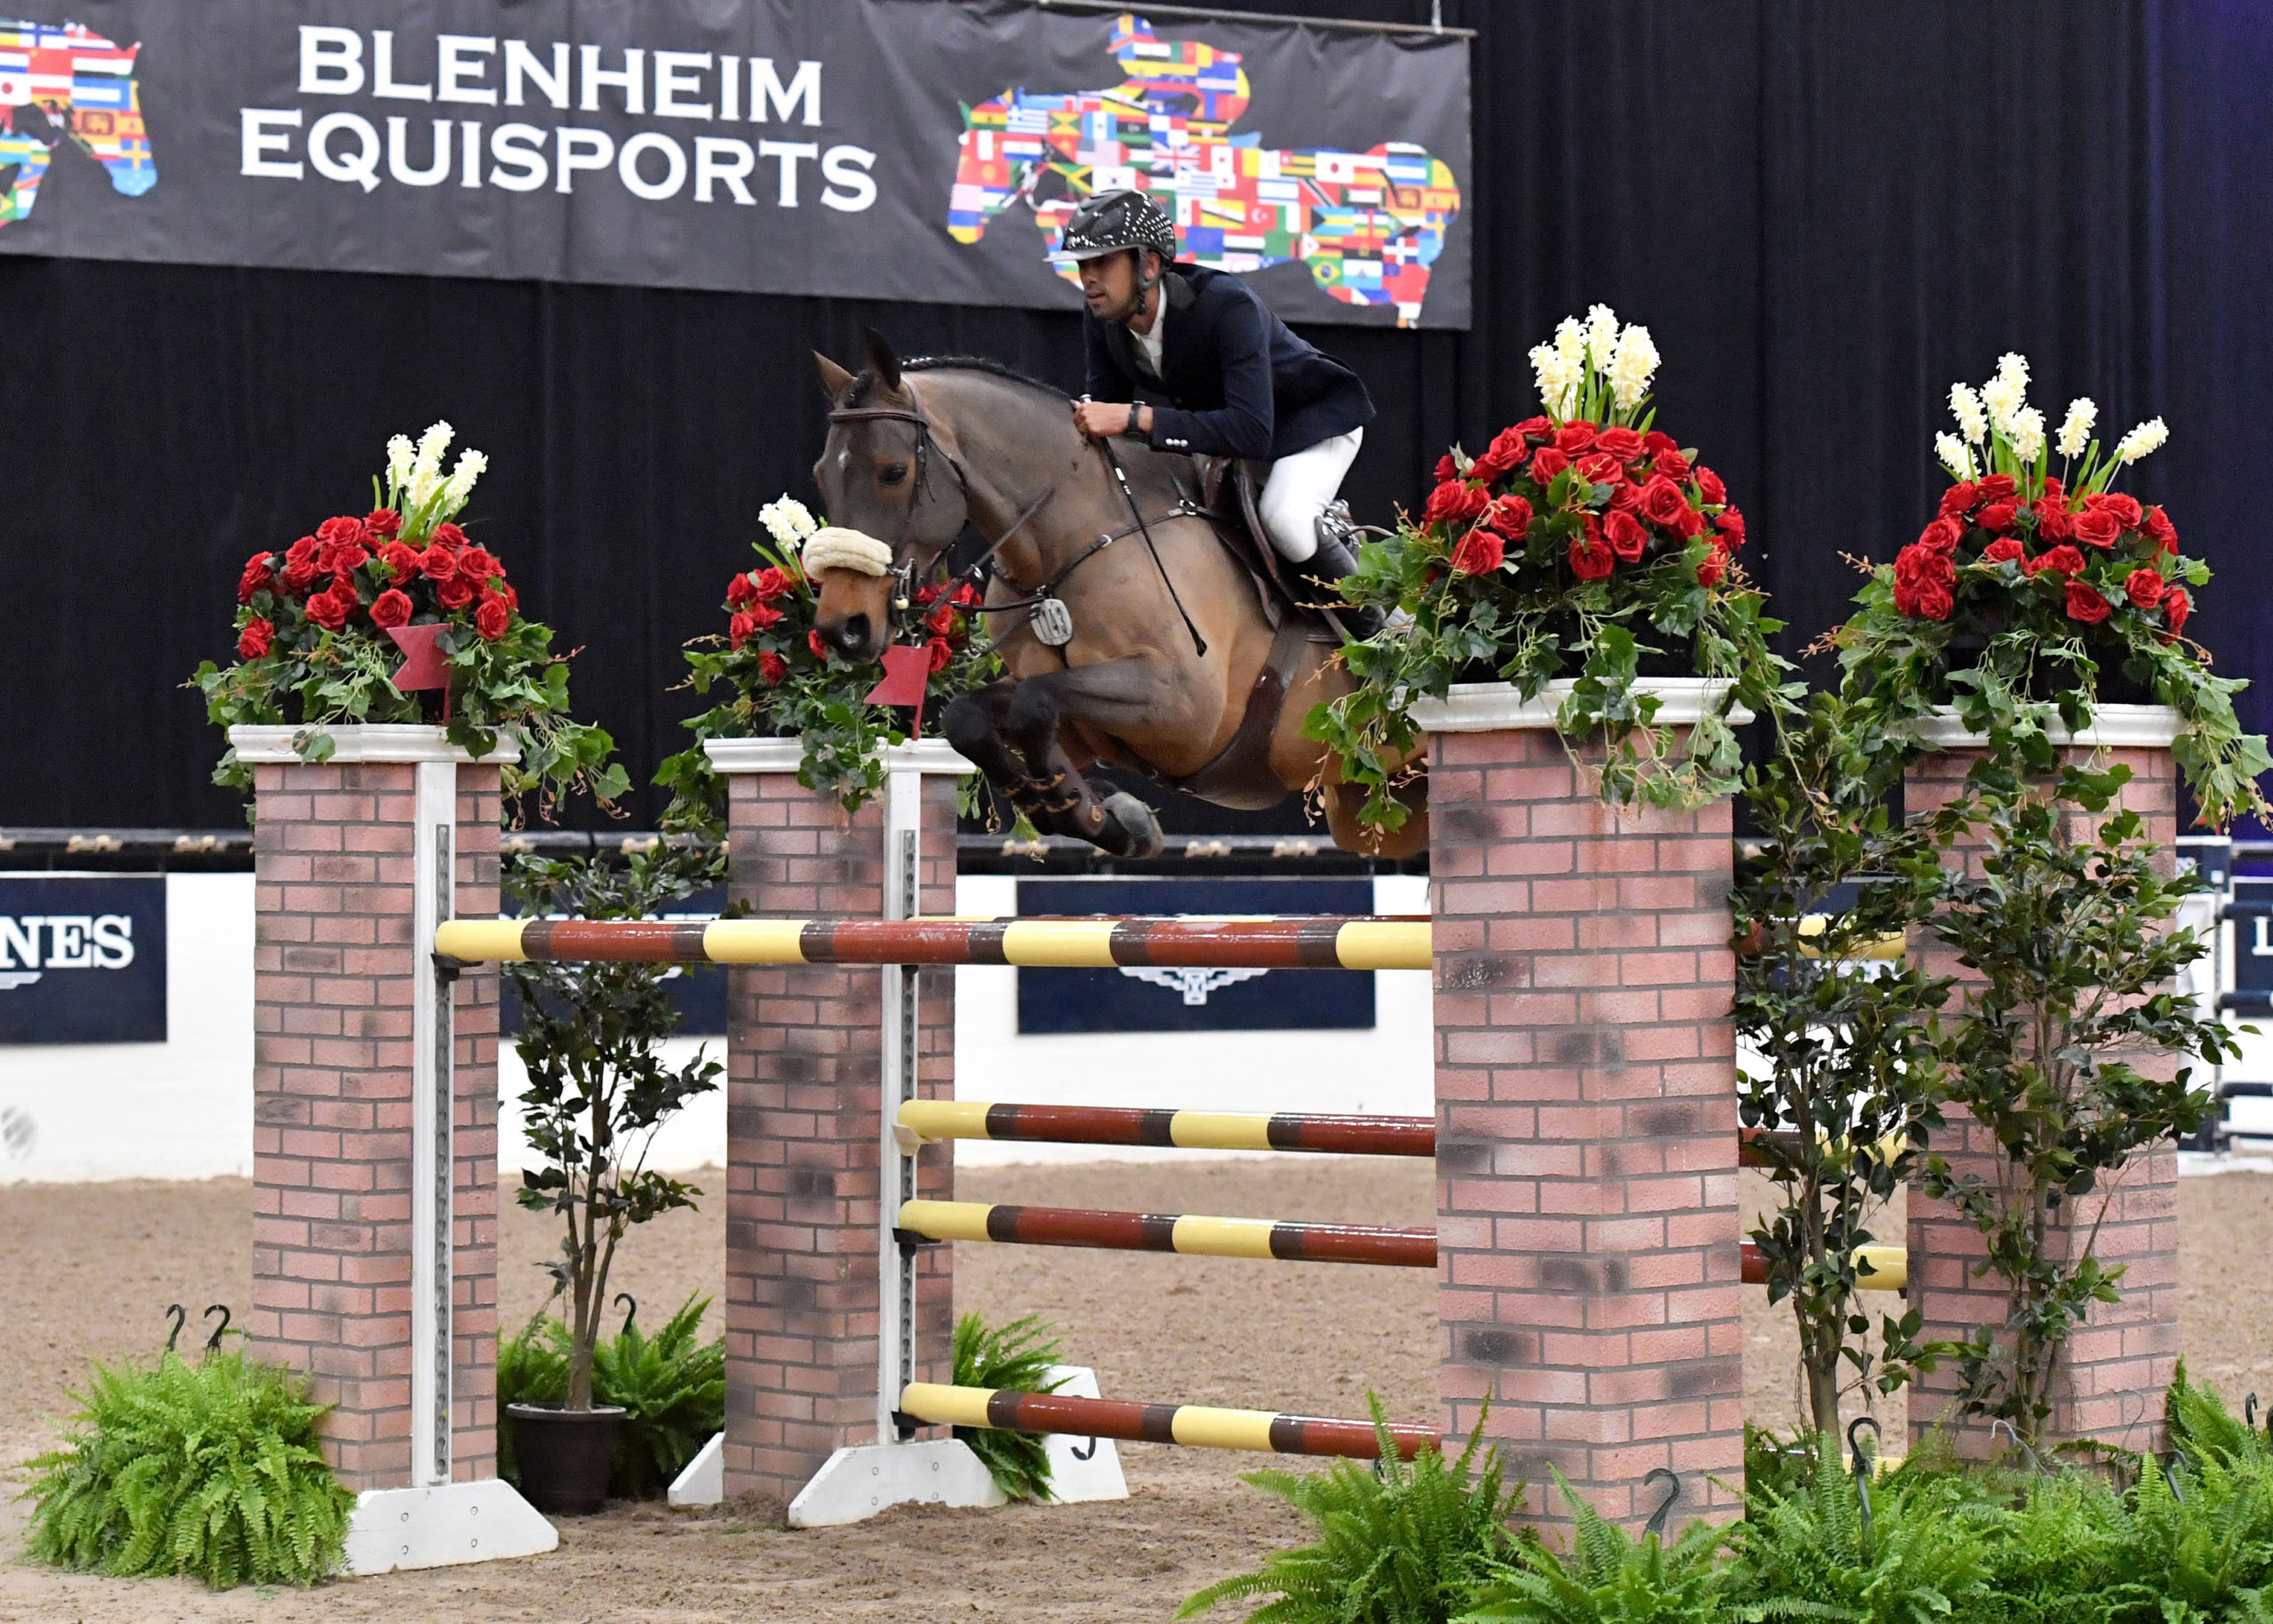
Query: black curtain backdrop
pixel 1826 210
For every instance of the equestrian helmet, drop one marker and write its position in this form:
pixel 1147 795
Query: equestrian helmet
pixel 1108 222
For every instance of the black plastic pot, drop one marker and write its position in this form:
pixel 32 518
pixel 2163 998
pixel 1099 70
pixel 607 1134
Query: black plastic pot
pixel 564 1455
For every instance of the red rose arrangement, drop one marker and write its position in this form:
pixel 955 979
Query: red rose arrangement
pixel 2035 582
pixel 313 618
pixel 784 681
pixel 1581 544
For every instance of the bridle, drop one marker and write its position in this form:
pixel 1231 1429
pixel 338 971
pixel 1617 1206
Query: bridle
pixel 902 550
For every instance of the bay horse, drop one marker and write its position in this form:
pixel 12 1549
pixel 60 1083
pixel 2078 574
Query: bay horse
pixel 1173 669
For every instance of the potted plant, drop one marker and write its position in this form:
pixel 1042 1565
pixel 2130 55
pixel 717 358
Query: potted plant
pixel 1586 556
pixel 2034 598
pixel 784 681
pixel 316 649
pixel 597 1091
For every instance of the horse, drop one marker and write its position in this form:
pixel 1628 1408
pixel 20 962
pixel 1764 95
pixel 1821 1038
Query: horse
pixel 86 87
pixel 1368 224
pixel 1172 668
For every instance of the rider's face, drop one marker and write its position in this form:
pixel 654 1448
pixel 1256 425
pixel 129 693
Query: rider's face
pixel 1109 285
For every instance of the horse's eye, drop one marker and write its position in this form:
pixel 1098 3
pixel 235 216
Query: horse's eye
pixel 893 473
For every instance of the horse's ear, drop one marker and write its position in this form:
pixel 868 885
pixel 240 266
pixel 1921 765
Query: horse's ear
pixel 882 361
pixel 835 380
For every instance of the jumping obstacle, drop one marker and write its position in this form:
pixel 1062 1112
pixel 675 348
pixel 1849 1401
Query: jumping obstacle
pixel 1003 1409
pixel 924 1120
pixel 1154 1232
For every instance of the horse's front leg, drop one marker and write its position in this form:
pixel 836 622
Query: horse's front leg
pixel 974 724
pixel 1113 695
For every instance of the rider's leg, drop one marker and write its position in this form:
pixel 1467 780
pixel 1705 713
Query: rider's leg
pixel 1298 490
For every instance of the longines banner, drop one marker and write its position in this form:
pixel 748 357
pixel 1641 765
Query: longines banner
pixel 906 149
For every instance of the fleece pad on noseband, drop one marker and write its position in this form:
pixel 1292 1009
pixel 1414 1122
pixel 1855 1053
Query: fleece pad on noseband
pixel 834 547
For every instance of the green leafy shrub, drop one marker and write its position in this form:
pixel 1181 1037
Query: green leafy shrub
pixel 1018 1356
pixel 1408 1544
pixel 1609 1577
pixel 671 1387
pixel 1921 1554
pixel 210 1470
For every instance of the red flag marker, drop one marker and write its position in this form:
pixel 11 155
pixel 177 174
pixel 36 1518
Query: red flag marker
pixel 422 665
pixel 907 677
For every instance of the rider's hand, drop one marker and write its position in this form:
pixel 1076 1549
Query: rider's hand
pixel 1100 419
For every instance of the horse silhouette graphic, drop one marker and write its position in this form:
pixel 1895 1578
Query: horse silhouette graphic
pixel 84 84
pixel 1368 224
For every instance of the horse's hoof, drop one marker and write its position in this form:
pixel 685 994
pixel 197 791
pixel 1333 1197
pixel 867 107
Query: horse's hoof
pixel 1138 831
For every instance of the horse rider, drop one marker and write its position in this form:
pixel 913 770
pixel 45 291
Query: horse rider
pixel 1188 359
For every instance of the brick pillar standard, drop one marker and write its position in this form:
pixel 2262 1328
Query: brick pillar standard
pixel 804 1121
pixel 337 969
pixel 2120 1359
pixel 1587 1220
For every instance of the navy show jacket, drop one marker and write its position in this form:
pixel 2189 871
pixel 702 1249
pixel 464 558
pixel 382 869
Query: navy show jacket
pixel 1235 381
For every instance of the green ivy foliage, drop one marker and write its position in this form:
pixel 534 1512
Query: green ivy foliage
pixel 1017 1356
pixel 211 1470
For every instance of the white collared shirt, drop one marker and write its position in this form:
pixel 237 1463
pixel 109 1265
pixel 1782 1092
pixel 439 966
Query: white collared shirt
pixel 1148 345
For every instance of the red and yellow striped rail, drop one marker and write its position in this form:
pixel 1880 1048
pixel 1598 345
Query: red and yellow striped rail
pixel 1003 1409
pixel 1889 1268
pixel 1214 1131
pixel 1310 942
pixel 1154 1232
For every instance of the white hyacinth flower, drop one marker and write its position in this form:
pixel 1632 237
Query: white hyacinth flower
pixel 2003 396
pixel 2013 368
pixel 2028 433
pixel 1559 379
pixel 788 521
pixel 1953 456
pixel 1965 406
pixel 399 455
pixel 1571 340
pixel 2076 427
pixel 1632 364
pixel 471 465
pixel 1602 336
pixel 426 467
pixel 2144 440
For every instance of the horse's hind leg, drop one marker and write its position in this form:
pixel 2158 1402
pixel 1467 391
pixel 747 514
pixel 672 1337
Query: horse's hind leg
pixel 1118 823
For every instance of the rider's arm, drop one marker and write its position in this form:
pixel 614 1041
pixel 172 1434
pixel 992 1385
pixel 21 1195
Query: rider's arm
pixel 1242 425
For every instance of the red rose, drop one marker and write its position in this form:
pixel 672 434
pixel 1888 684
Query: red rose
pixel 967 595
pixel 772 668
pixel 1532 428
pixel 1935 600
pixel 1714 565
pixel 455 593
pixel 438 562
pixel 475 564
pixel 2126 509
pixel 1940 535
pixel 1624 444
pixel 1709 487
pixel 2054 489
pixel 1479 553
pixel 1545 463
pixel 1510 516
pixel 763 616
pixel 1625 536
pixel 2086 605
pixel 2004 550
pixel 741 591
pixel 2098 526
pixel 2176 606
pixel 1656 442
pixel 504 590
pixel 1599 468
pixel 1491 467
pixel 492 618
pixel 819 648
pixel 2160 530
pixel 1506 453
pixel 942 651
pixel 1446 468
pixel 1997 487
pixel 256 576
pixel 941 620
pixel 330 609
pixel 1692 523
pixel 1672 464
pixel 401 561
pixel 1573 438
pixel 390 609
pixel 1662 502
pixel 1919 564
pixel 344 562
pixel 1997 516
pixel 449 536
pixel 1453 502
pixel 1627 497
pixel 2061 560
pixel 1959 499
pixel 1731 525
pixel 255 639
pixel 341 532
pixel 1591 559
pixel 384 523
pixel 2145 587
pixel 2054 522
pixel 771 584
pixel 300 563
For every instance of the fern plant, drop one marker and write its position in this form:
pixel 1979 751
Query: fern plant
pixel 1915 1551
pixel 1609 1577
pixel 1400 1544
pixel 210 1470
pixel 1017 1356
pixel 671 1387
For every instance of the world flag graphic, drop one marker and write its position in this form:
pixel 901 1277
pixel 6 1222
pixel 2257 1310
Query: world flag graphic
pixel 1369 225
pixel 82 85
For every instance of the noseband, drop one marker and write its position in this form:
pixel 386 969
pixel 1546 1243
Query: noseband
pixel 923 444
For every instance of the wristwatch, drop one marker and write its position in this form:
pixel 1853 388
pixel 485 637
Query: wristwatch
pixel 1130 429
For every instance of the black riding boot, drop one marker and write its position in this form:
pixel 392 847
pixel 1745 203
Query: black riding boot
pixel 1335 557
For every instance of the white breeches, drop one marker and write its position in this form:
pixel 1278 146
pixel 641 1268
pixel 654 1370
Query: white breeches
pixel 1298 490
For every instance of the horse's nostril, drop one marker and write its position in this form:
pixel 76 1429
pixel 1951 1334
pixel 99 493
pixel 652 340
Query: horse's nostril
pixel 852 634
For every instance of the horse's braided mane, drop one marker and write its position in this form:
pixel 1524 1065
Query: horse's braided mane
pixel 866 380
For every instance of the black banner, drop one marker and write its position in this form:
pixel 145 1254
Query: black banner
pixel 898 149
pixel 83 959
